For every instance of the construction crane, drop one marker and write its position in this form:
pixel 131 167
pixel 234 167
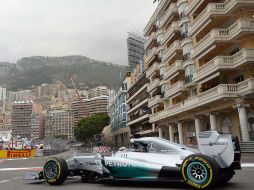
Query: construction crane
pixel 80 99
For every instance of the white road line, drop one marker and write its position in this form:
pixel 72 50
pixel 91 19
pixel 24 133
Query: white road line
pixel 17 178
pixel 247 165
pixel 17 169
pixel 4 181
pixel 11 159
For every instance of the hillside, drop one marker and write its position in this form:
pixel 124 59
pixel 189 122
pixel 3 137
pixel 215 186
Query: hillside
pixel 33 71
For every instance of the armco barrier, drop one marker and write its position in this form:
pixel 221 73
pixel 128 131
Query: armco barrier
pixel 39 152
pixel 17 153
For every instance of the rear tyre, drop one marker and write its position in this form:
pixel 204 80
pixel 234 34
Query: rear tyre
pixel 226 176
pixel 200 171
pixel 55 171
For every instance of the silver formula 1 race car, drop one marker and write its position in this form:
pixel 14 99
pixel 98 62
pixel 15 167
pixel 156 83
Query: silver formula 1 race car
pixel 154 159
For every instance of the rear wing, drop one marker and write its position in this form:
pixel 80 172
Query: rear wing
pixel 220 147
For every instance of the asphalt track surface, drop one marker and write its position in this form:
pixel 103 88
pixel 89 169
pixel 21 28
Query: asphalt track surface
pixel 12 173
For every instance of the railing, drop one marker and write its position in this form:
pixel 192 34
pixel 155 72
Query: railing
pixel 213 8
pixel 178 65
pixel 152 69
pixel 137 106
pixel 172 9
pixel 137 119
pixel 192 5
pixel 150 54
pixel 134 95
pixel 224 62
pixel 219 92
pixel 153 101
pixel 170 32
pixel 153 85
pixel 175 88
pixel 162 4
pixel 150 39
pixel 171 50
pixel 230 33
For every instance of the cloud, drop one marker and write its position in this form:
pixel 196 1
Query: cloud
pixel 94 28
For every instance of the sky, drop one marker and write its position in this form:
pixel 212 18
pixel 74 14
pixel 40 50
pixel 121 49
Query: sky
pixel 94 28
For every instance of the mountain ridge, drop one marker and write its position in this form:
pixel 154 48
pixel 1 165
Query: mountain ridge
pixel 36 70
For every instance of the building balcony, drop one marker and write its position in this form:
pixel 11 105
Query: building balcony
pixel 169 34
pixel 175 88
pixel 172 51
pixel 136 107
pixel 172 10
pixel 224 63
pixel 221 92
pixel 150 40
pixel 213 10
pixel 154 101
pixel 141 90
pixel 138 120
pixel 154 84
pixel 152 22
pixel 241 27
pixel 151 55
pixel 192 6
pixel 173 69
pixel 152 70
pixel 162 5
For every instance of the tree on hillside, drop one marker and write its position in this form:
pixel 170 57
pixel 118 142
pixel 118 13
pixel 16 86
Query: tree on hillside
pixel 90 126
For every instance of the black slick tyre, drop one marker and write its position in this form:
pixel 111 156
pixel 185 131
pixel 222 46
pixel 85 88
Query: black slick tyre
pixel 226 176
pixel 200 171
pixel 55 171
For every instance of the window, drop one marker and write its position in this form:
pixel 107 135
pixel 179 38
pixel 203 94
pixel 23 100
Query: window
pixel 194 92
pixel 186 51
pixel 162 71
pixel 164 88
pixel 239 79
pixel 181 10
pixel 184 30
pixel 189 71
pixel 236 50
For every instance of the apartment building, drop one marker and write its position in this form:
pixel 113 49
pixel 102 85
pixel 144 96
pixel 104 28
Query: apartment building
pixel 91 106
pixel 98 91
pixel 135 46
pixel 200 58
pixel 37 126
pixel 77 110
pixel 138 112
pixel 118 115
pixel 97 105
pixel 25 119
pixel 59 122
pixel 2 100
pixel 5 126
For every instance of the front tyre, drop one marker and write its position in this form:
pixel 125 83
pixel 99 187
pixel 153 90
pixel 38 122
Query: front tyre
pixel 55 171
pixel 200 171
